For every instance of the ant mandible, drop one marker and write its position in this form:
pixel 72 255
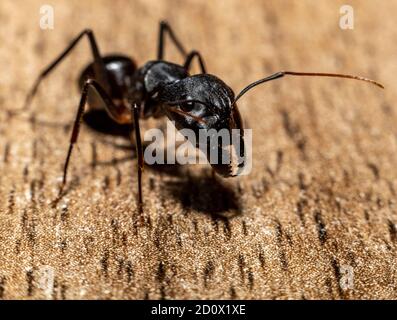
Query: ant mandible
pixel 128 93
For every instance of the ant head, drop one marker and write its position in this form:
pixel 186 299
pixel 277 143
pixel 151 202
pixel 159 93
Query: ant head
pixel 198 102
pixel 205 102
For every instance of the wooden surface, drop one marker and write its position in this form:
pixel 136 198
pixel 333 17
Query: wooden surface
pixel 321 198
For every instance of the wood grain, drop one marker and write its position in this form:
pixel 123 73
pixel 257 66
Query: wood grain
pixel 321 198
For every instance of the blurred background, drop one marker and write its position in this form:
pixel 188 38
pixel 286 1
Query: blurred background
pixel 317 212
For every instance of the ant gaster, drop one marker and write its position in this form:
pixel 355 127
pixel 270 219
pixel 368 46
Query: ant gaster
pixel 158 88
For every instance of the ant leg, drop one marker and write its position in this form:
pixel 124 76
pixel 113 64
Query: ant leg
pixel 165 27
pixel 99 67
pixel 190 58
pixel 79 116
pixel 139 150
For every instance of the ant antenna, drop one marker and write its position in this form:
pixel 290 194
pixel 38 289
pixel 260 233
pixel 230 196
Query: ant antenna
pixel 312 74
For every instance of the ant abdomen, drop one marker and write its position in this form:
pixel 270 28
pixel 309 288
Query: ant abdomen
pixel 119 71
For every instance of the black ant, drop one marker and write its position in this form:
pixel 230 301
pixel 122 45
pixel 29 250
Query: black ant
pixel 128 93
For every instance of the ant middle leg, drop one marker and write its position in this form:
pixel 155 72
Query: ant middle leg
pixel 99 66
pixel 165 27
pixel 195 54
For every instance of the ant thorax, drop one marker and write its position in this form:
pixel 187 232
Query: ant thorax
pixel 157 74
pixel 149 80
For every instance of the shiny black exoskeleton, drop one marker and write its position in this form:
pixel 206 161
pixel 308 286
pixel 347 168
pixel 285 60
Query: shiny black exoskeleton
pixel 126 93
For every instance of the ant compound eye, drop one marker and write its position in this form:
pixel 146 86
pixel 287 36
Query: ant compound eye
pixel 187 106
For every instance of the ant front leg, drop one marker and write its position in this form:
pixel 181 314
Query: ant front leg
pixel 99 67
pixel 139 150
pixel 165 27
pixel 190 58
pixel 79 117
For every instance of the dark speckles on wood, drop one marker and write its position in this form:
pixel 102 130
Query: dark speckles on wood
pixel 129 271
pixel 300 206
pixel 120 266
pixel 34 149
pixel 24 220
pixel 6 153
pixel 328 285
pixel 195 226
pixel 242 265
pixel 262 260
pixel 374 169
pixel 33 188
pixel 25 174
pixel 94 155
pixel 160 276
pixel 106 183
pixel 279 162
pixel 233 294
pixel 2 287
pixel 294 132
pixel 64 213
pixel 30 282
pixel 63 245
pixel 105 263
pixel 301 181
pixel 279 232
pixel 281 252
pixel 244 228
pixel 11 201
pixel 152 183
pixel 209 271
pixel 288 237
pixel 63 291
pixel 321 229
pixel 251 278
pixel 227 229
pixel 118 176
pixel 366 215
pixel 392 230
pixel 337 274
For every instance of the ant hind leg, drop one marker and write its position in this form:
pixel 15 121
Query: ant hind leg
pixel 99 67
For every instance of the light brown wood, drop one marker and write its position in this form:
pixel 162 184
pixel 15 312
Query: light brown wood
pixel 321 198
